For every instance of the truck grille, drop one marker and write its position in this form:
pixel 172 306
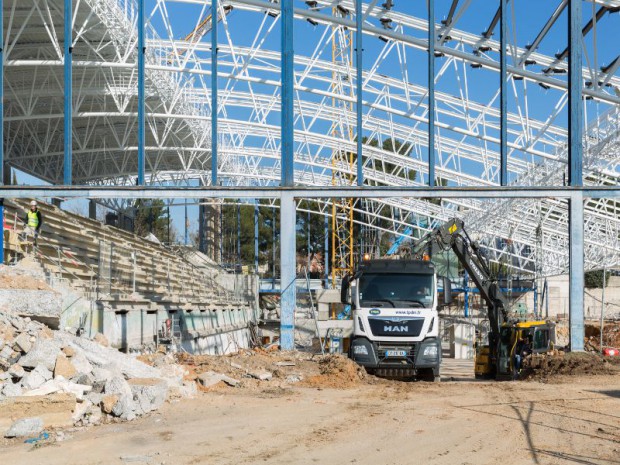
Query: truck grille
pixel 397 327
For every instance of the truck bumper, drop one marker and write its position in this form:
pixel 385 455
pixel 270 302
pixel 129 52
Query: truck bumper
pixel 377 356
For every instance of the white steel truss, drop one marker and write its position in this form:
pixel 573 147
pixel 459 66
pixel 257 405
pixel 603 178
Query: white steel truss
pixel 395 110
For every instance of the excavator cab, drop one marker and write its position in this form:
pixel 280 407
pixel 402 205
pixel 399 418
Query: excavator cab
pixel 540 333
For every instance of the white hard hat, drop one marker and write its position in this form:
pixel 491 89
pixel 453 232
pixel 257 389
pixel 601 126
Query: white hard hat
pixel 33 203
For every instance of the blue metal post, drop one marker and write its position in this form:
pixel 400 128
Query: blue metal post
pixel 186 225
pixel 576 277
pixel 214 22
pixel 308 243
pixel 503 110
pixel 287 95
pixel 68 71
pixel 287 272
pixel 326 251
pixel 256 237
pixel 273 250
pixel 535 300
pixel 575 101
pixel 431 93
pixel 141 97
pixel 358 107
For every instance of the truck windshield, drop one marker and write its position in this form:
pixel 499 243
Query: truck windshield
pixel 396 290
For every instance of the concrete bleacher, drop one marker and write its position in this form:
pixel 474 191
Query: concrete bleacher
pixel 134 285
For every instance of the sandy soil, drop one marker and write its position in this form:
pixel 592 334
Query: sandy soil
pixel 569 420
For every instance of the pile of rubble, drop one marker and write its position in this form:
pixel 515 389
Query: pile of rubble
pixel 36 361
pixel 543 367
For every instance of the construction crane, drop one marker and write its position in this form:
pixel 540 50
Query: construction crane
pixel 203 27
pixel 343 161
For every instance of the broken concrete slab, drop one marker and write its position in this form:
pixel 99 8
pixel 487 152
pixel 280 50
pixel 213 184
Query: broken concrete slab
pixel 12 390
pixel 44 352
pixel 80 409
pixel 109 401
pixel 25 427
pixel 32 380
pixel 210 378
pixel 22 343
pixel 263 376
pixel 149 394
pixel 101 340
pixel 64 367
pixel 117 385
pixel 16 371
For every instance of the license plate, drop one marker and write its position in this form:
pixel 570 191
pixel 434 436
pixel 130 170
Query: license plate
pixel 395 353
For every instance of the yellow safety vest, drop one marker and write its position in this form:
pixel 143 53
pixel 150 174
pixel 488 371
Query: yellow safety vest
pixel 33 219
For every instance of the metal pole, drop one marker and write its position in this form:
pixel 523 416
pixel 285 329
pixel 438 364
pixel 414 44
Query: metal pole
pixel 221 232
pixel 214 101
pixel 603 302
pixel 326 251
pixel 431 93
pixel 141 97
pixel 308 243
pixel 576 277
pixel 273 249
pixel 503 94
pixel 546 299
pixel 256 237
pixel 68 103
pixel 466 302
pixel 575 101
pixel 288 135
pixel 133 283
pixel 358 107
pixel 186 225
pixel 287 272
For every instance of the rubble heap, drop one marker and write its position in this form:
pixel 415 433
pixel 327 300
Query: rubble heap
pixel 36 361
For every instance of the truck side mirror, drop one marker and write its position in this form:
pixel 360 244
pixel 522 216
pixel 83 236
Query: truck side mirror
pixel 344 291
pixel 447 291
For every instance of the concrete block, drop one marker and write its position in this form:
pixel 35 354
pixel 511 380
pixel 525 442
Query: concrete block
pixel 148 394
pixel 117 385
pixel 125 408
pixel 263 376
pixel 64 367
pixel 80 362
pixel 84 378
pixel 95 397
pixel 101 339
pixel 44 352
pixel 80 409
pixel 22 343
pixel 6 352
pixel 16 371
pixel 25 427
pixel 43 371
pixel 12 390
pixel 109 402
pixel 32 380
pixel 209 378
pixel 69 351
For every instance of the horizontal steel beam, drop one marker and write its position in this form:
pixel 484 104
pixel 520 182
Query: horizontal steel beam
pixel 324 192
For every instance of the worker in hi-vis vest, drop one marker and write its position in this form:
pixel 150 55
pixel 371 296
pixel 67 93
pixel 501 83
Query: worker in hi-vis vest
pixel 33 221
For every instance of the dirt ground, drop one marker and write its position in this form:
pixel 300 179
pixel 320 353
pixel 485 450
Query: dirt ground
pixel 358 419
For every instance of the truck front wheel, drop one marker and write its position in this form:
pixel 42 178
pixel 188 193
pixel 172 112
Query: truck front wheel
pixel 428 374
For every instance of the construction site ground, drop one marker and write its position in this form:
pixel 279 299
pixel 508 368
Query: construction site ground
pixel 331 412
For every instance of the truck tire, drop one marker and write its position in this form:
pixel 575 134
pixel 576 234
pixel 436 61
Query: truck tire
pixel 426 374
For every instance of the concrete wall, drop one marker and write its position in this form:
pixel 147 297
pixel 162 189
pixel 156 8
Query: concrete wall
pixel 558 298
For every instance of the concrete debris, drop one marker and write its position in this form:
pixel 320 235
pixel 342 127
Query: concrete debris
pixel 285 364
pixel 101 339
pixel 263 376
pixel 210 378
pixel 36 362
pixel 25 427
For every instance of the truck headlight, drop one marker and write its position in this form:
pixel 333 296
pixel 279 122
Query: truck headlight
pixel 360 350
pixel 430 352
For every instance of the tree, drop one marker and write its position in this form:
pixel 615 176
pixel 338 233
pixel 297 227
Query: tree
pixel 152 217
pixel 594 279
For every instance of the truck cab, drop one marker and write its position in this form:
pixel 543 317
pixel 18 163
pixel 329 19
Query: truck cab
pixel 395 317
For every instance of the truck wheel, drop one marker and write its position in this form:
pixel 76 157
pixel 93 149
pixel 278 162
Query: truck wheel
pixel 426 374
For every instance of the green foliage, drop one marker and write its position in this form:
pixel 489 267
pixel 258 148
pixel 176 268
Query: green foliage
pixel 594 279
pixel 152 217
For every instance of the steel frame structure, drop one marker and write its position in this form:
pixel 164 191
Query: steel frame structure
pixel 143 99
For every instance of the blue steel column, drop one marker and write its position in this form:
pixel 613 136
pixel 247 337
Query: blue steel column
pixel 358 107
pixel 575 101
pixel 214 21
pixel 326 251
pixel 256 237
pixel 503 94
pixel 141 98
pixel 575 176
pixel 68 71
pixel 287 206
pixel 288 238
pixel 577 281
pixel 431 93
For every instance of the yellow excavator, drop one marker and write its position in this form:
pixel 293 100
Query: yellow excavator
pixel 496 359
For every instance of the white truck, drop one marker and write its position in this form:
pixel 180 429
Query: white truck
pixel 396 322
